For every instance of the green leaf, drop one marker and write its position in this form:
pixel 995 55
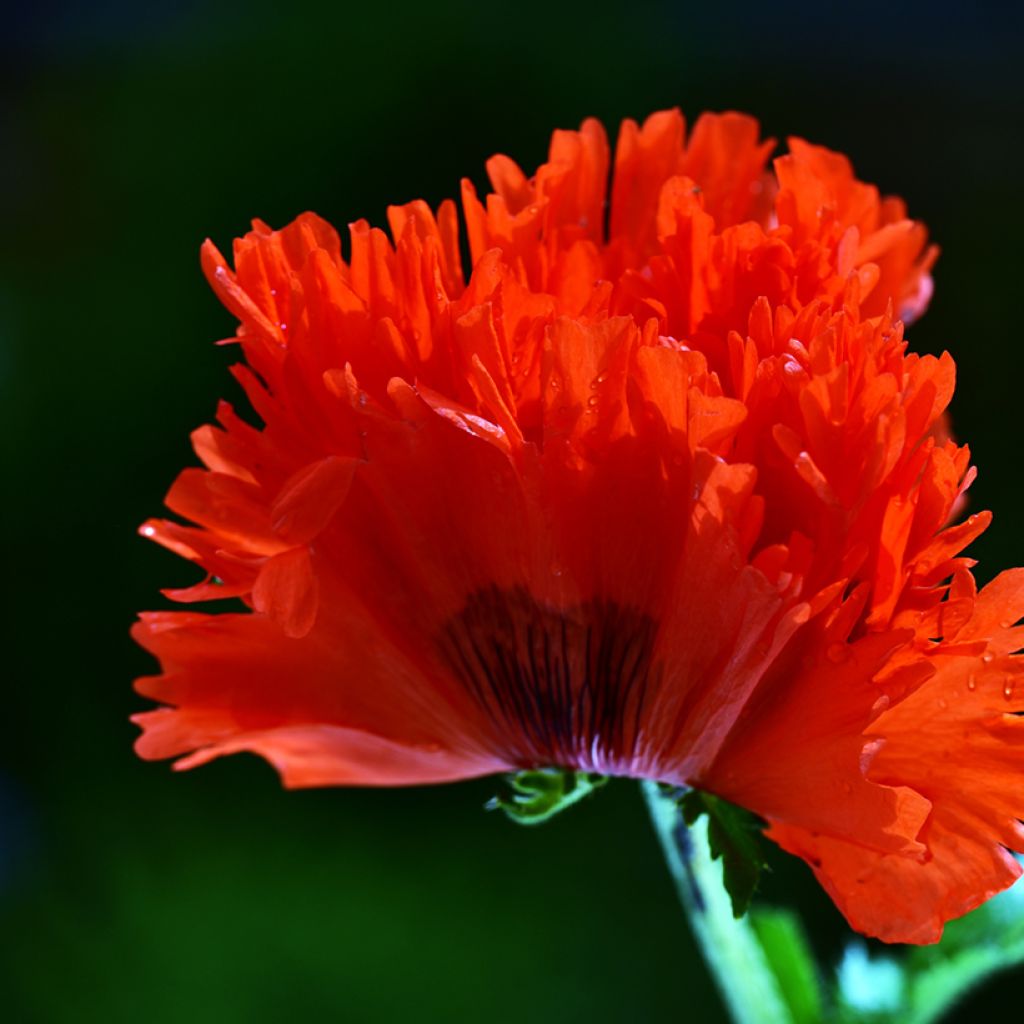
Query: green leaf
pixel 537 794
pixel 790 958
pixel 734 836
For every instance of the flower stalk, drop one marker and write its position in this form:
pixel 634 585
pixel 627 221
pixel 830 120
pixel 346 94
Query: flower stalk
pixel 730 946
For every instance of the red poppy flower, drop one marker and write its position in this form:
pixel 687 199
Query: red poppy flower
pixel 655 490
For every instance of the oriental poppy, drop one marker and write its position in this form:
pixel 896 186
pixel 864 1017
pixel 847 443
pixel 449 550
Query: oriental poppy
pixel 649 486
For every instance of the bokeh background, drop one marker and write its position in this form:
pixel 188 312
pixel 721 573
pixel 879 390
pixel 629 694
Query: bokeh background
pixel 130 132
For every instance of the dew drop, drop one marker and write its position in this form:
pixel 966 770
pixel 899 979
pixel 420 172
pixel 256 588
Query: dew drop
pixel 988 657
pixel 837 652
pixel 556 569
pixel 283 326
pixel 592 401
pixel 1008 689
pixel 791 367
pixel 1006 624
pixel 273 292
pixel 148 531
pixel 943 703
pixel 972 683
pixel 599 380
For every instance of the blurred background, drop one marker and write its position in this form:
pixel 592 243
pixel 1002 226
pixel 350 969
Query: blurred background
pixel 130 132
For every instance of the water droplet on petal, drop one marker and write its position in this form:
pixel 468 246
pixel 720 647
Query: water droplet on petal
pixel 943 703
pixel 592 401
pixel 1008 689
pixel 838 652
pixel 1006 624
pixel 791 367
pixel 599 380
pixel 988 657
pixel 283 326
pixel 972 683
pixel 148 531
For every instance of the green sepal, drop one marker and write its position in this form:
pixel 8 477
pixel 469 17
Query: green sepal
pixel 534 795
pixel 734 835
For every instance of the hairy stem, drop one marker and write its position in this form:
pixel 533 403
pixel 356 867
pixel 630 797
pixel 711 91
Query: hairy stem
pixel 730 947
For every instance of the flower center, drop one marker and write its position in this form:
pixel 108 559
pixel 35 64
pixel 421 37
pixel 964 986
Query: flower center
pixel 562 686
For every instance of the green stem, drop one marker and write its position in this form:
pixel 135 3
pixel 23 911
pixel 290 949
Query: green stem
pixel 730 946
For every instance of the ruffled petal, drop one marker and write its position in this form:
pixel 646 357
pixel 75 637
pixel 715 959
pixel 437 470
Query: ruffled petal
pixel 958 741
pixel 662 493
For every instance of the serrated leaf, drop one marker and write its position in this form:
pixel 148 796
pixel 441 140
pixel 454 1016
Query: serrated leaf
pixel 533 796
pixel 734 836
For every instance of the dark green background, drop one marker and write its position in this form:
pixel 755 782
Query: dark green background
pixel 130 133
